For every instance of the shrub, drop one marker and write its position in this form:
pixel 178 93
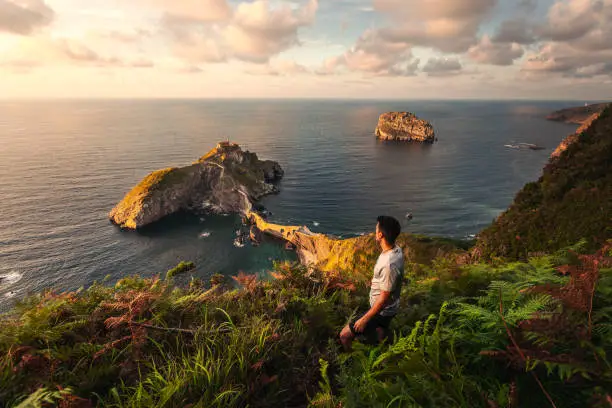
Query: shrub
pixel 182 267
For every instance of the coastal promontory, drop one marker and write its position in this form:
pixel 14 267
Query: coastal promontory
pixel 578 115
pixel 404 127
pixel 226 180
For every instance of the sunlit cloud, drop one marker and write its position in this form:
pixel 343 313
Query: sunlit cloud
pixel 307 47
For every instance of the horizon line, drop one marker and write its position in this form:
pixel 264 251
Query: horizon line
pixel 225 98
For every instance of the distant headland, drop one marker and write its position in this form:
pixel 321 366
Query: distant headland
pixel 578 115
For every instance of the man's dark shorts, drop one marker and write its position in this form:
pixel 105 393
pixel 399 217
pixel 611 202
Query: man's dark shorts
pixel 370 330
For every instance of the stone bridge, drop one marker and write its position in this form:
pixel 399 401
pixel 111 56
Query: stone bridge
pixel 311 248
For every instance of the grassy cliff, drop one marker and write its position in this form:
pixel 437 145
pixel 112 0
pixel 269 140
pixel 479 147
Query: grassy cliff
pixel 572 200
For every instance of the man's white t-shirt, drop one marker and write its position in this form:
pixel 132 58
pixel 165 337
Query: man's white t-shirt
pixel 388 277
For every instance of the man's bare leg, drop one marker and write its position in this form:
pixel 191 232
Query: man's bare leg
pixel 346 338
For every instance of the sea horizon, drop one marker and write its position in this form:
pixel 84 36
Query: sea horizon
pixel 298 98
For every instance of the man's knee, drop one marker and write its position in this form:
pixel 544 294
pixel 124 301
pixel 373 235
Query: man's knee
pixel 346 334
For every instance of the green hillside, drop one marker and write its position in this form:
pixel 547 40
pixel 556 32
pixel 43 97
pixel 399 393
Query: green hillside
pixel 571 201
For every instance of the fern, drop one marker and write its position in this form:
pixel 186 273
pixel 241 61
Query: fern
pixel 324 398
pixel 42 396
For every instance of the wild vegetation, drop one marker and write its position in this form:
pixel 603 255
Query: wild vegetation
pixel 534 333
pixel 572 200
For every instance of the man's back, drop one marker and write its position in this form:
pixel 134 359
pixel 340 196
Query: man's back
pixel 388 276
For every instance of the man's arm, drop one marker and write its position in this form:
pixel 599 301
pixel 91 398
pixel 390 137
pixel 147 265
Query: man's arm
pixel 378 307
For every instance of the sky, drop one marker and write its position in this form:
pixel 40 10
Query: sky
pixel 381 49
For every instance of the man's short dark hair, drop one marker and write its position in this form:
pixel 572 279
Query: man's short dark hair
pixel 390 228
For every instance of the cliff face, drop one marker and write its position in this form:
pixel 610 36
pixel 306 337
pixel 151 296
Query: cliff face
pixel 404 127
pixel 227 179
pixel 573 138
pixel 578 115
pixel 571 201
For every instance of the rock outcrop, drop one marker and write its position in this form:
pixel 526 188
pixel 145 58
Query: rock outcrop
pixel 579 115
pixel 226 180
pixel 404 127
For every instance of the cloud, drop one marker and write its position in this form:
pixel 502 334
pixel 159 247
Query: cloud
pixel 487 52
pixel 434 9
pixel 193 42
pixel 527 5
pixel 204 11
pixel 447 26
pixel 126 37
pixel 39 51
pixel 375 56
pixel 23 17
pixel 140 63
pixel 258 32
pixel 190 69
pixel 564 59
pixel 575 40
pixel 443 67
pixel 518 31
pixel 279 68
pixel 255 32
pixel 570 20
pixel 71 50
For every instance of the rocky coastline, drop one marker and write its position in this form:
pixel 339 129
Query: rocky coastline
pixel 226 180
pixel 404 127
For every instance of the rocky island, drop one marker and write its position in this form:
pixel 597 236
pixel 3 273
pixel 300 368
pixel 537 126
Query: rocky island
pixel 226 180
pixel 404 127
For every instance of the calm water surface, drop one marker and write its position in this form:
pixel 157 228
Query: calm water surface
pixel 65 164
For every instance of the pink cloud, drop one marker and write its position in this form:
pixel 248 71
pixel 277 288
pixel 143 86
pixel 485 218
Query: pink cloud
pixel 23 17
pixel 255 32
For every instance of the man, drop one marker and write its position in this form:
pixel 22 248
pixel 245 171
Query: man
pixel 386 287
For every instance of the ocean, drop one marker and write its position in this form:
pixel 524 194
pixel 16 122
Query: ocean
pixel 65 164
